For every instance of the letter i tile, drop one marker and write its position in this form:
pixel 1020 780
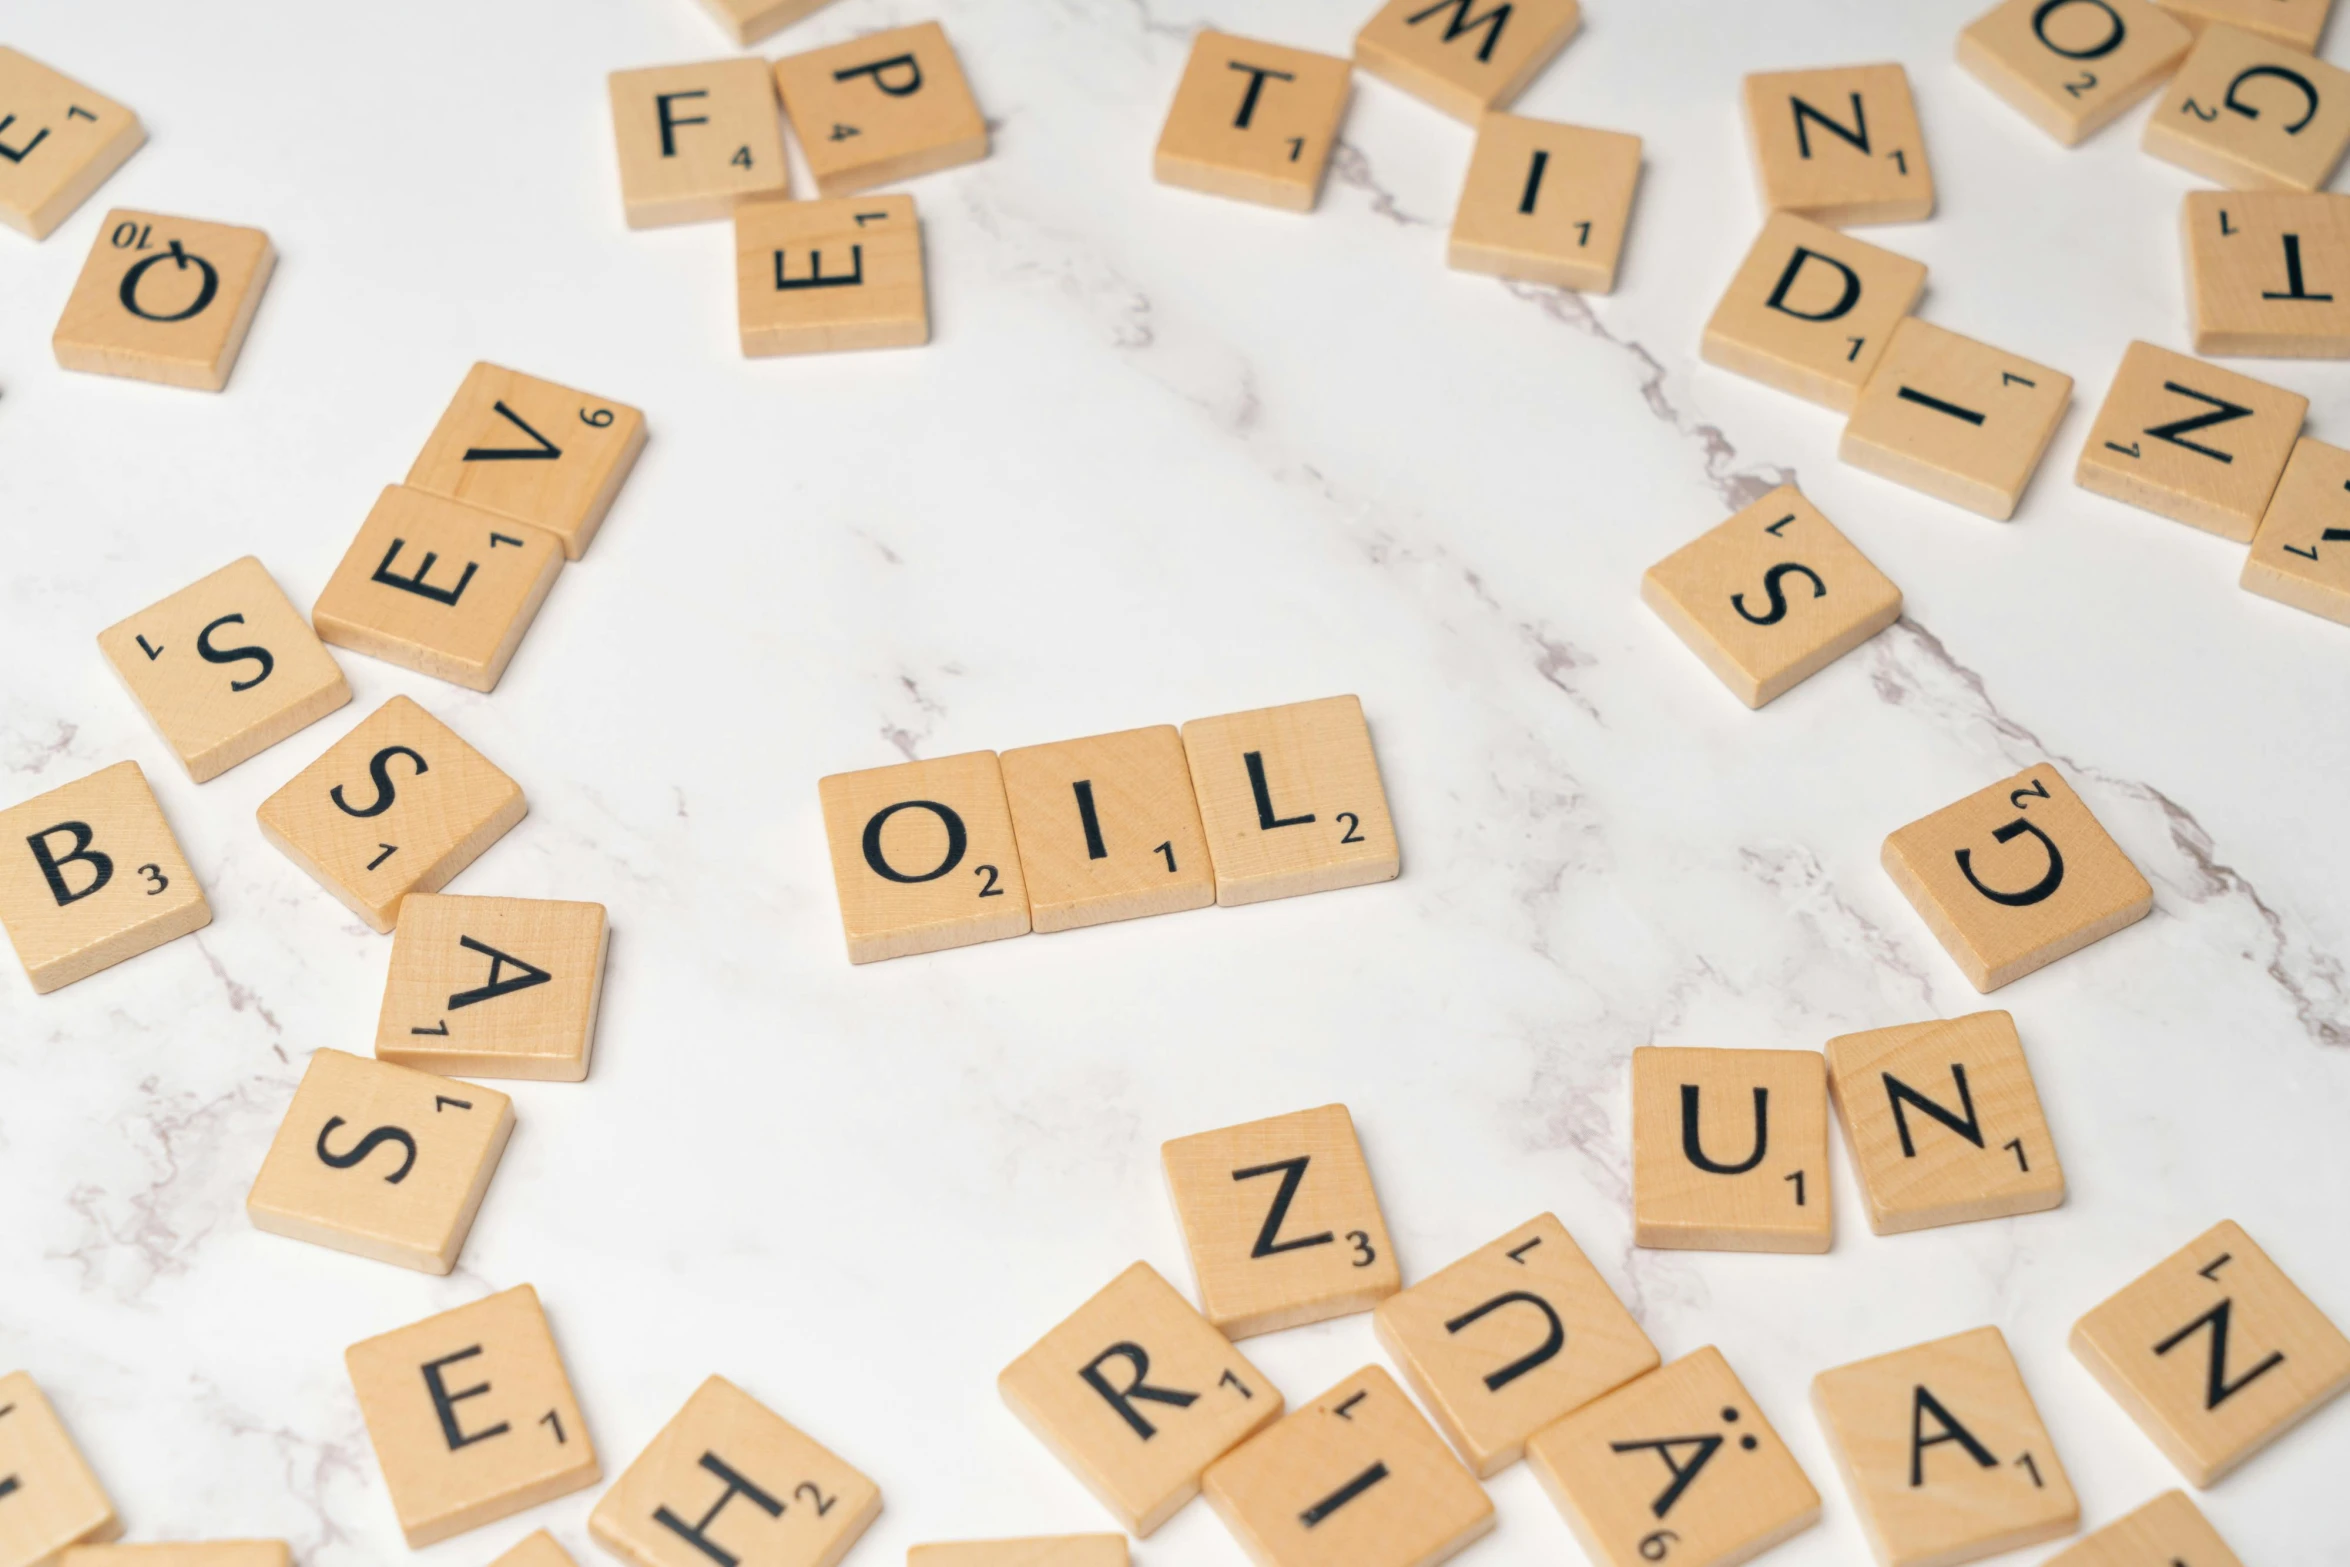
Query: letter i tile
pixel 1956 419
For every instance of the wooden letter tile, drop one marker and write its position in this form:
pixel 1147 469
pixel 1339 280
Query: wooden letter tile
pixel 90 875
pixel 1137 1393
pixel 536 1550
pixel 2268 273
pixel 1812 311
pixel 729 1480
pixel 2071 68
pixel 60 141
pixel 1053 1550
pixel 2253 114
pixel 1107 829
pixel 49 1499
pixel 881 108
pixel 472 1416
pixel 2297 22
pixel 531 450
pixel 923 856
pixel 1679 1466
pixel 815 277
pixel 748 21
pixel 1291 800
pixel 1771 597
pixel 1944 1453
pixel 2214 1353
pixel 2191 441
pixel 398 805
pixel 184 1553
pixel 1943 1123
pixel 1510 1338
pixel 1464 60
pixel 2015 876
pixel 1841 145
pixel 2301 556
pixel 1545 202
pixel 164 299
pixel 381 1161
pixel 1955 418
pixel 1253 121
pixel 696 140
pixel 2166 1532
pixel 493 987
pixel 1730 1150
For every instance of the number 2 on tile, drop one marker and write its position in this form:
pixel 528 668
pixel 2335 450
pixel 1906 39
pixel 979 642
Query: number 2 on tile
pixel 991 890
pixel 1354 825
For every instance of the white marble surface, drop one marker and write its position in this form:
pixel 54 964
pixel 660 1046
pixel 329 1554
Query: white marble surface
pixel 1168 456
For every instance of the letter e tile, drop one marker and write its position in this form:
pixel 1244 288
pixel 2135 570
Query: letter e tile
pixel 62 141
pixel 819 277
pixel 49 1499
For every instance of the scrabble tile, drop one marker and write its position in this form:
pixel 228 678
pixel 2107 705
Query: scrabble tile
pixel 493 987
pixel 1546 203
pixel 695 141
pixel 472 1416
pixel 532 450
pixel 1137 1393
pixel 2297 22
pixel 1513 1336
pixel 60 141
pixel 728 1480
pixel 164 299
pixel 1107 828
pixel 1465 60
pixel 748 21
pixel 816 277
pixel 1841 144
pixel 184 1553
pixel 923 856
pixel 49 1499
pixel 2166 1532
pixel 536 1550
pixel 2015 876
pixel 1357 1478
pixel 398 805
pixel 1957 419
pixel 1680 1466
pixel 381 1161
pixel 2214 1353
pixel 1291 800
pixel 2301 555
pixel 225 668
pixel 1944 1453
pixel 1730 1150
pixel 2191 441
pixel 99 877
pixel 1253 121
pixel 2071 68
pixel 1812 311
pixel 881 108
pixel 438 586
pixel 2253 114
pixel 1771 597
pixel 1054 1550
pixel 2268 274
pixel 1281 1221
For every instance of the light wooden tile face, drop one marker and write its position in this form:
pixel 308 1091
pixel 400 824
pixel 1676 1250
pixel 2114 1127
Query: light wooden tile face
pixel 2214 1352
pixel 494 987
pixel 1957 419
pixel 58 143
pixel 2250 113
pixel 532 450
pixel 1513 1336
pixel 2301 555
pixel 1463 58
pixel 1730 1150
pixel 1680 1466
pixel 1253 121
pixel 2071 68
pixel 1107 828
pixel 90 875
pixel 696 140
pixel 472 1416
pixel 1052 1550
pixel 1291 800
pixel 729 1480
pixel 2191 441
pixel 881 108
pixel 2297 22
pixel 381 1161
pixel 2015 876
pixel 818 277
pixel 2166 1532
pixel 188 1553
pixel 1812 311
pixel 1841 145
pixel 398 805
pixel 923 856
pixel 1138 1393
pixel 1546 203
pixel 748 21
pixel 225 668
pixel 1943 1123
pixel 1281 1221
pixel 1771 597
pixel 2268 274
pixel 49 1499
pixel 1944 1453
pixel 164 299
pixel 536 1550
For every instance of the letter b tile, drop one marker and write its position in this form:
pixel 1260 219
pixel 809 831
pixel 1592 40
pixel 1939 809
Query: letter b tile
pixel 923 856
pixel 1291 800
pixel 164 299
pixel 49 1499
pixel 90 875
pixel 1730 1150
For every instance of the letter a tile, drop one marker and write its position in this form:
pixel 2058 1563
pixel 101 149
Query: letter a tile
pixel 819 277
pixel 184 1553
pixel 1841 145
pixel 1957 419
pixel 1291 800
pixel 1055 1550
pixel 2072 67
pixel 1463 59
pixel 2297 22
pixel 1812 311
pixel 52 1502
pixel 164 299
pixel 923 856
pixel 90 876
pixel 1545 202
pixel 2301 555
pixel 2190 441
pixel 494 987
pixel 2250 113
pixel 696 140
pixel 531 450
pixel 881 108
pixel 61 141
pixel 2215 1353
pixel 1253 121
pixel 1730 1150
pixel 2166 1532
pixel 2268 273
pixel 1108 829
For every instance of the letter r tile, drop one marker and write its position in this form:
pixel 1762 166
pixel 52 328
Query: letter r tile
pixel 923 856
